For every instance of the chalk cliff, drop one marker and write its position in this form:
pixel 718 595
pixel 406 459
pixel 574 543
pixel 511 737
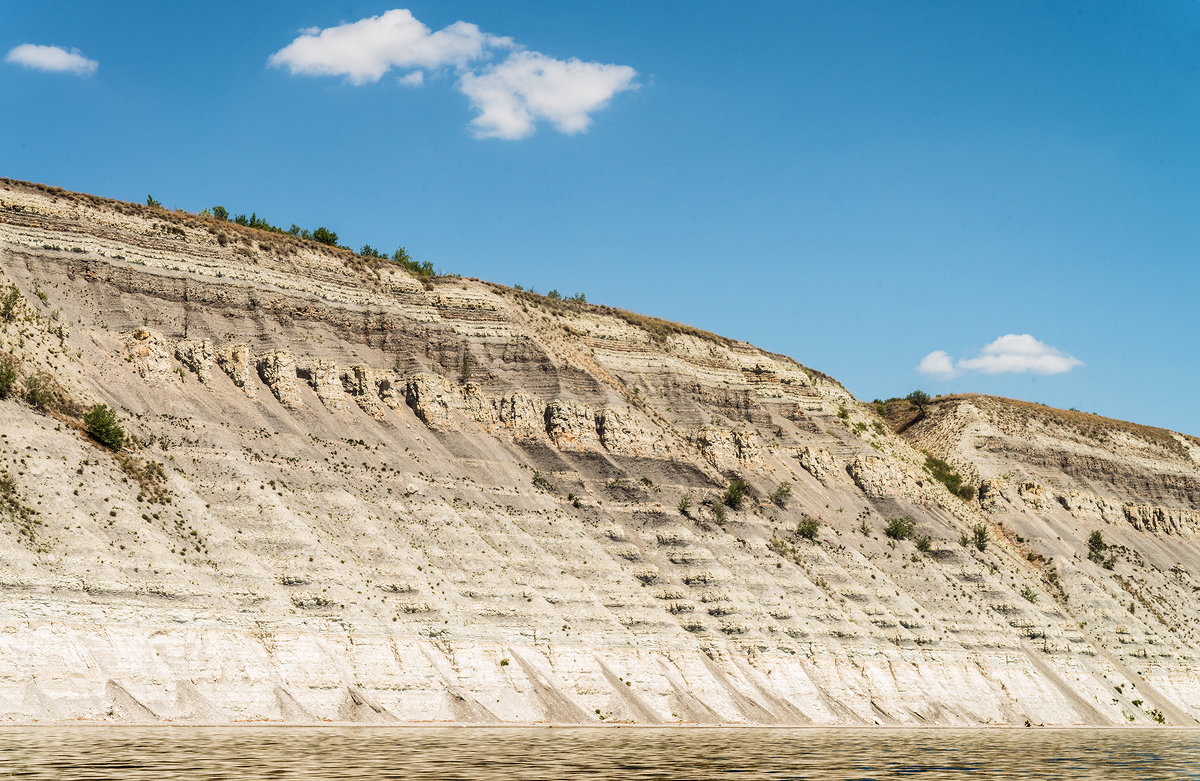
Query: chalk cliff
pixel 351 495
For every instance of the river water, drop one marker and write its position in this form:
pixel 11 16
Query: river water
pixel 249 753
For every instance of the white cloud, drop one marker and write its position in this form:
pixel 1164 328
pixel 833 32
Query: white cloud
pixel 937 364
pixel 363 51
pixel 510 96
pixel 52 58
pixel 1011 353
pixel 528 86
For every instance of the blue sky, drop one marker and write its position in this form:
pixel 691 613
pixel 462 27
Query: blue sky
pixel 857 185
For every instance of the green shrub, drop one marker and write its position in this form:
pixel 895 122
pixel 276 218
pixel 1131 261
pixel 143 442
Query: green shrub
pixel 8 303
pixel 540 481
pixel 151 202
pixel 900 528
pixel 422 271
pixel 924 543
pixel 979 536
pixel 325 236
pixel 685 506
pixel 735 493
pixel 944 474
pixel 103 426
pixel 8 376
pixel 719 514
pixel 220 212
pixel 40 392
pixel 808 528
pixel 1029 593
pixel 781 495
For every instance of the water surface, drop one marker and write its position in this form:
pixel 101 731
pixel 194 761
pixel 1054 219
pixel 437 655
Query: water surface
pixel 353 753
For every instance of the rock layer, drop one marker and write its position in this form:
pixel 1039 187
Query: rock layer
pixel 348 497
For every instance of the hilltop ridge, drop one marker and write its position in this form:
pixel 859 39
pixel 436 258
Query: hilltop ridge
pixel 355 494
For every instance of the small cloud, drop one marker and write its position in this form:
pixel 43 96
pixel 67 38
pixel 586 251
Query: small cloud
pixel 510 96
pixel 529 86
pixel 52 59
pixel 363 51
pixel 937 364
pixel 1010 354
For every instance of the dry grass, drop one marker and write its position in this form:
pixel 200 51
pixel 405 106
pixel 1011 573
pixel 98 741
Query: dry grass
pixel 1087 424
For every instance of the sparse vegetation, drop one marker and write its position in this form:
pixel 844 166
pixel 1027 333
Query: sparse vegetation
pixel 1097 548
pixel 900 528
pixel 40 392
pixel 979 537
pixel 780 496
pixel 944 474
pixel 808 527
pixel 103 426
pixel 685 506
pixel 8 376
pixel 1029 593
pixel 736 493
pixel 9 300
pixel 924 543
pixel 13 509
pixel 540 481
pixel 719 514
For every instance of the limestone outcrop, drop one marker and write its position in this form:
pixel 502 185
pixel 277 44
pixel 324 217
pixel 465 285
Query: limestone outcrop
pixel 352 496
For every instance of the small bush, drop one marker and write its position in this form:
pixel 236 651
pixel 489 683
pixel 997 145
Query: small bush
pixel 944 474
pixel 9 300
pixel 685 506
pixel 540 481
pixel 900 528
pixel 781 495
pixel 40 392
pixel 924 543
pixel 808 528
pixel 103 426
pixel 736 493
pixel 979 537
pixel 8 376
pixel 325 236
pixel 719 514
pixel 1096 548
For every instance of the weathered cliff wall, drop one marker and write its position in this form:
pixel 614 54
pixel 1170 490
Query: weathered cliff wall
pixel 355 497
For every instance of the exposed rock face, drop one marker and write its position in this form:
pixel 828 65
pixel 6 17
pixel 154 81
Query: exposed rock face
pixel 234 360
pixel 1165 520
pixel 473 504
pixel 197 357
pixel 277 370
pixel 570 425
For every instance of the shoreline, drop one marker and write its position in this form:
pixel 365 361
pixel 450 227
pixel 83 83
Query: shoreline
pixel 458 725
